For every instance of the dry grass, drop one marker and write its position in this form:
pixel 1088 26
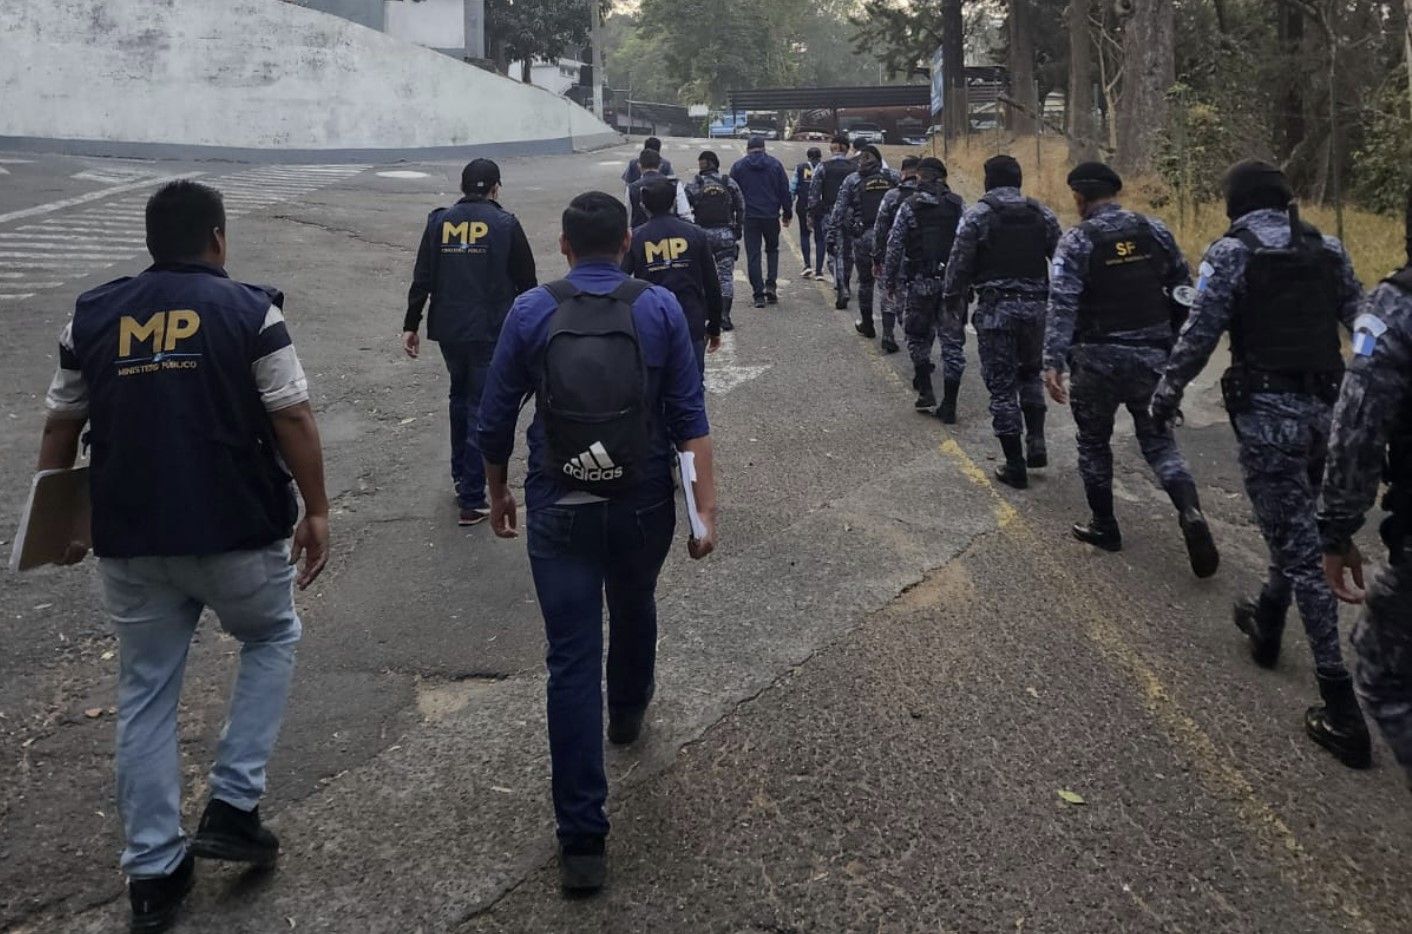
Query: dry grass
pixel 1374 240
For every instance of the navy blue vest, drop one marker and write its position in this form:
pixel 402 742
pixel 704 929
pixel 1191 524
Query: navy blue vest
pixel 183 458
pixel 669 252
pixel 471 289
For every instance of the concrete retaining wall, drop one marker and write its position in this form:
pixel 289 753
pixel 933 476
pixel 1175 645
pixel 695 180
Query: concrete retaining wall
pixel 256 79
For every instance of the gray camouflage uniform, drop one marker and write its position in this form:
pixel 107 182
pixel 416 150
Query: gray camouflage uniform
pixel 1106 376
pixel 1009 316
pixel 723 240
pixel 838 242
pixel 894 306
pixel 1374 405
pixel 848 216
pixel 926 320
pixel 1283 436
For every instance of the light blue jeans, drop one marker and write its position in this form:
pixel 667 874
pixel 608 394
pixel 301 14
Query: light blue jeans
pixel 154 604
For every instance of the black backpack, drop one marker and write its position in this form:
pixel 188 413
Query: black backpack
pixel 713 203
pixel 593 391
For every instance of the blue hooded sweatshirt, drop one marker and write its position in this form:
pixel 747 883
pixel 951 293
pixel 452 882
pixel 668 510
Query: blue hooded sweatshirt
pixel 764 184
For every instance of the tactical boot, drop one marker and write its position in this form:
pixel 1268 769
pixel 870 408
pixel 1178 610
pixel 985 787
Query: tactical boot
pixel 889 341
pixel 922 382
pixel 228 833
pixel 1038 452
pixel 1264 624
pixel 1013 472
pixel 1200 546
pixel 1338 725
pixel 840 300
pixel 726 323
pixel 155 902
pixel 864 326
pixel 1102 530
pixel 947 410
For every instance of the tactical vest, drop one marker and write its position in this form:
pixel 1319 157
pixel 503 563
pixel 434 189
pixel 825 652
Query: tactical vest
pixel 1016 244
pixel 471 290
pixel 835 171
pixel 183 456
pixel 872 189
pixel 804 177
pixel 1123 290
pixel 713 202
pixel 929 241
pixel 1286 319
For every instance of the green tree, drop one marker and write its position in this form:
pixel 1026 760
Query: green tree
pixel 530 29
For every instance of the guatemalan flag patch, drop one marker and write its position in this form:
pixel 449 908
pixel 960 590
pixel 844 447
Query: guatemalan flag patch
pixel 1366 331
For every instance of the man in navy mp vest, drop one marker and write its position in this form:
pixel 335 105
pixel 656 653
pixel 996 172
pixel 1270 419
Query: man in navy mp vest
pixel 473 260
pixel 617 353
pixel 198 413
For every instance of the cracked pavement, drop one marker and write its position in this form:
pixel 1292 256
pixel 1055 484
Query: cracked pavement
pixel 868 700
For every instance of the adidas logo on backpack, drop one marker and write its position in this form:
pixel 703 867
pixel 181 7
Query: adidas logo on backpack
pixel 593 465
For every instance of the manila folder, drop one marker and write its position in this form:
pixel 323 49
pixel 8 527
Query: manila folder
pixel 56 515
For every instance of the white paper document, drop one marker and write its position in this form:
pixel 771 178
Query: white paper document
pixel 686 461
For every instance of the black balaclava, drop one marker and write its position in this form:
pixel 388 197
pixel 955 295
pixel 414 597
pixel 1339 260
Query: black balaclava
pixel 1253 185
pixel 1002 172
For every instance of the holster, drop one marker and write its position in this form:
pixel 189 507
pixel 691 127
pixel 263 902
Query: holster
pixel 1235 390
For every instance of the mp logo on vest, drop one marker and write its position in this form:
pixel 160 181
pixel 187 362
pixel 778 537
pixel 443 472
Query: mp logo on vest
pixel 463 237
pixel 153 345
pixel 670 249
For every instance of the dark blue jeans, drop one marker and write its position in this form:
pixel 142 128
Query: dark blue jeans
pixel 762 231
pixel 468 363
pixel 811 229
pixel 577 554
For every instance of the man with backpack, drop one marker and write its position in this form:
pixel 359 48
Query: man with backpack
pixel 609 362
pixel 719 208
pixel 473 260
pixel 823 195
pixel 810 228
pixel 1002 251
pixel 856 211
pixel 676 255
pixel 917 250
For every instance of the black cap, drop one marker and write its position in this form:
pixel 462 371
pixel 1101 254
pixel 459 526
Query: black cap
pixel 709 156
pixel 933 166
pixel 1252 185
pixel 479 176
pixel 813 153
pixel 756 142
pixel 1095 180
pixel 1002 172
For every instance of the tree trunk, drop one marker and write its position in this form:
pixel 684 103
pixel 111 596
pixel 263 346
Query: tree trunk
pixel 1289 121
pixel 1149 71
pixel 1022 86
pixel 1079 105
pixel 526 64
pixel 953 46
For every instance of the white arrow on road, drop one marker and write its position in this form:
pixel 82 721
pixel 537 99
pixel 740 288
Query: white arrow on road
pixel 722 372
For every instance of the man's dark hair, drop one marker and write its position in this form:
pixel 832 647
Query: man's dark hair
pixel 1003 171
pixel 595 224
pixel 652 143
pixel 931 169
pixel 813 153
pixel 658 196
pixel 649 159
pixel 180 218
pixel 841 140
pixel 910 162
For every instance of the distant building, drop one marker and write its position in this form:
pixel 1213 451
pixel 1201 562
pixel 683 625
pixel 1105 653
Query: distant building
pixel 557 76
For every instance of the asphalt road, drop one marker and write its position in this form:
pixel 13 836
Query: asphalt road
pixel 868 700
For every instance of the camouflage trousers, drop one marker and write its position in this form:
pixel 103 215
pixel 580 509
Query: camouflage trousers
pixel 864 256
pixel 726 251
pixel 1283 439
pixel 926 322
pixel 1012 355
pixel 1104 378
pixel 841 251
pixel 1383 673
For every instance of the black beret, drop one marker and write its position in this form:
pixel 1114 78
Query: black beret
pixel 932 164
pixel 1095 180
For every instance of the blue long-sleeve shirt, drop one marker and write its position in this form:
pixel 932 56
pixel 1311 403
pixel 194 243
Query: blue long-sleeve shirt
pixel 765 186
pixel 674 388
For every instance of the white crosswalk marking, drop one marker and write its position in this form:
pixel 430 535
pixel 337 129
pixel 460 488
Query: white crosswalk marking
pixel 69 239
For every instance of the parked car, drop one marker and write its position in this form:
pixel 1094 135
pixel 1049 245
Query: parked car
pixel 726 126
pixel 914 140
pixel 757 129
pixel 868 132
pixel 810 134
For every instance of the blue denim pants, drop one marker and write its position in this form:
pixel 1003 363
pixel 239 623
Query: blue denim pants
pixel 577 555
pixel 468 364
pixel 154 604
pixel 811 228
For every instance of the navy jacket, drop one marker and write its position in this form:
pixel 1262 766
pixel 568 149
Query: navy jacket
pixel 183 458
pixel 673 384
pixel 473 260
pixel 763 181
pixel 676 255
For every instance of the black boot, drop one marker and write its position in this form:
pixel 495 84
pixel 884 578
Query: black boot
pixel 155 902
pixel 1102 530
pixel 922 382
pixel 583 865
pixel 947 410
pixel 1264 624
pixel 864 325
pixel 1038 452
pixel 889 341
pixel 840 300
pixel 726 323
pixel 1200 546
pixel 1338 725
pixel 228 833
pixel 1013 472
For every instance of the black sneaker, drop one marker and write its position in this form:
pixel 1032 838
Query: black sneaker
pixel 840 301
pixel 759 301
pixel 230 834
pixel 625 725
pixel 583 865
pixel 865 328
pixel 771 298
pixel 157 901
pixel 889 346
